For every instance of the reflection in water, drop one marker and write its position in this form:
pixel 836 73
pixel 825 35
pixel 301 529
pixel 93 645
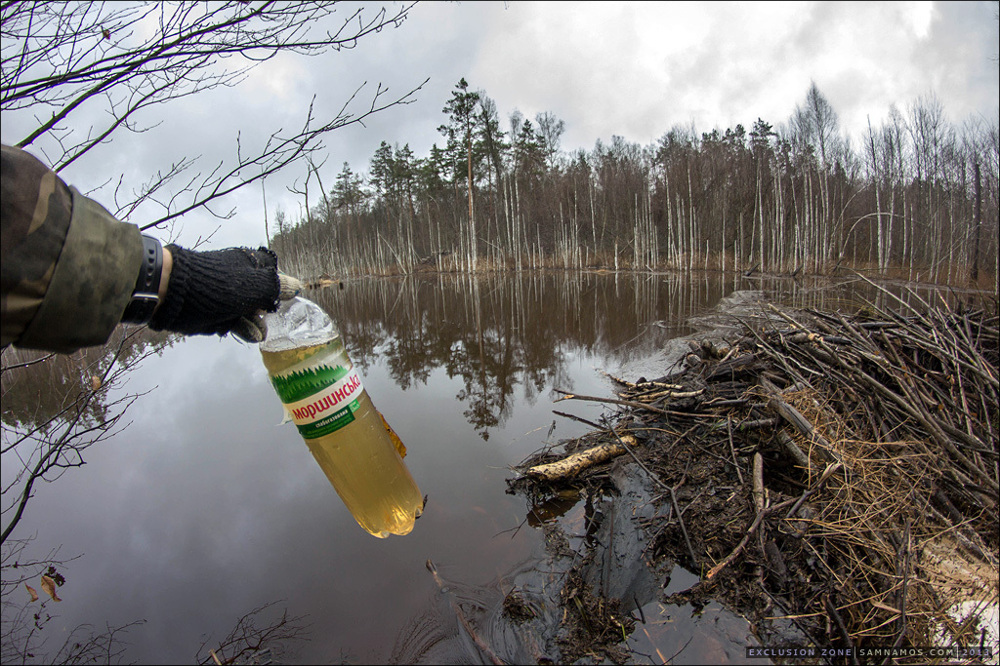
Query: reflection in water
pixel 551 508
pixel 41 389
pixel 495 331
pixel 55 407
pixel 480 355
pixel 499 333
pixel 593 535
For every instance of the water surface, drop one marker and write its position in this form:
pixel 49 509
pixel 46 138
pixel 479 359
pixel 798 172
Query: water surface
pixel 203 509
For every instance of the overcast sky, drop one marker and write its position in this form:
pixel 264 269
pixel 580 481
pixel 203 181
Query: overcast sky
pixel 632 69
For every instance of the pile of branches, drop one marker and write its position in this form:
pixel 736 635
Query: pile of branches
pixel 839 472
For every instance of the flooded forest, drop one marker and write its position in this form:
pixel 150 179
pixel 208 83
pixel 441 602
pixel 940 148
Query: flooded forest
pixel 729 396
pixel 915 198
pixel 758 460
pixel 700 401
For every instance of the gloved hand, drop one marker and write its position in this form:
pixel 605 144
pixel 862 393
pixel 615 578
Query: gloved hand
pixel 222 291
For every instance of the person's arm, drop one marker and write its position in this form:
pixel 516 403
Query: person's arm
pixel 168 265
pixel 71 272
pixel 68 266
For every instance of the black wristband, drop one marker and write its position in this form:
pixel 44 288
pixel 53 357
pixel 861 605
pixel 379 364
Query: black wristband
pixel 146 295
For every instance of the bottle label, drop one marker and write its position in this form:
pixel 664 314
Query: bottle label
pixel 320 399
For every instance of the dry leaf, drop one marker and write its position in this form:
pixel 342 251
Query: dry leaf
pixel 95 382
pixel 49 586
pixel 31 591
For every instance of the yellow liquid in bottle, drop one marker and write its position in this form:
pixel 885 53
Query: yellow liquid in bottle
pixel 359 459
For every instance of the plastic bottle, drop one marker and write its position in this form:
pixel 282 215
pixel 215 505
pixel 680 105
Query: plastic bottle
pixel 322 393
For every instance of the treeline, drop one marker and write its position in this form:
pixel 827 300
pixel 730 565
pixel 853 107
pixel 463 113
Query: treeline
pixel 917 198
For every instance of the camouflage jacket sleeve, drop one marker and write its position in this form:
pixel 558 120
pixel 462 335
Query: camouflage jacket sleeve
pixel 68 266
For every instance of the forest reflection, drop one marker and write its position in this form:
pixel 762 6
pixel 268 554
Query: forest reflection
pixel 495 331
pixel 510 332
pixel 41 389
pixel 504 332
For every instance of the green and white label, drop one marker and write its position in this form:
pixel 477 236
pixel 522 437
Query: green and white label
pixel 320 398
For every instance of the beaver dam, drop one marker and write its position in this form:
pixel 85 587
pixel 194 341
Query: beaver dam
pixel 833 479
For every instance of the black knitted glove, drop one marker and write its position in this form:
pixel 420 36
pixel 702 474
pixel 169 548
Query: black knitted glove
pixel 218 292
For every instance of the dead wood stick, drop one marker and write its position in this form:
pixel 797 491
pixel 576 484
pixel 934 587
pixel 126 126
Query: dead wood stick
pixel 680 521
pixel 935 432
pixel 831 610
pixel 795 418
pixel 797 502
pixel 614 401
pixel 574 417
pixel 753 424
pixel 782 359
pixel 638 385
pixel 668 394
pixel 801 459
pixel 732 449
pixel 965 536
pixel 480 643
pixel 794 324
pixel 717 404
pixel 902 568
pixel 631 403
pixel 970 440
pixel 830 469
pixel 713 572
pixel 577 462
pixel 758 481
pixel 976 366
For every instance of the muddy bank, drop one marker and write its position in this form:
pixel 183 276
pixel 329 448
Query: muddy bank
pixel 831 479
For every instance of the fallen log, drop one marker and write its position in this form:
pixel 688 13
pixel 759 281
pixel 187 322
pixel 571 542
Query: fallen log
pixel 576 463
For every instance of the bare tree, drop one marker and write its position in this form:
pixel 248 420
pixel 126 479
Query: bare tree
pixel 251 643
pixel 64 60
pixel 794 198
pixel 551 129
pixel 815 124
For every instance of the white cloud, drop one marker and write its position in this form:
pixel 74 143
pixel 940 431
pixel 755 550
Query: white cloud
pixel 637 69
pixel 277 81
pixel 633 69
